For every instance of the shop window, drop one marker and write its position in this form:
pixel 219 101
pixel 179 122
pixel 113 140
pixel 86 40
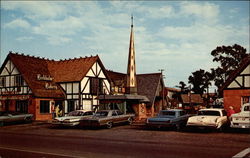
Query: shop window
pixel 22 106
pixel 71 105
pixel 44 106
pixel 245 99
pixel 2 81
pixel 96 86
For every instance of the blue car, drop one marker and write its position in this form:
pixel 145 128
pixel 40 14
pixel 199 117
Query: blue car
pixel 169 118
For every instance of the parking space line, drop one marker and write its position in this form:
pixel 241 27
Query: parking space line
pixel 242 153
pixel 40 152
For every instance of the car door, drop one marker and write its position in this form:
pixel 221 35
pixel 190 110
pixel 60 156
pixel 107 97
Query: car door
pixel 115 117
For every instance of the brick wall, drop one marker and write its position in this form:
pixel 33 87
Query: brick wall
pixel 234 98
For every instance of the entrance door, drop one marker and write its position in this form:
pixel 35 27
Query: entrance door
pixel 7 105
pixel 71 105
pixel 22 106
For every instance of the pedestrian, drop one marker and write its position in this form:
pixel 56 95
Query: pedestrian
pixel 58 111
pixel 230 111
pixel 53 110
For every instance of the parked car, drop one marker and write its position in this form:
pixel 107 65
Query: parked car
pixel 72 119
pixel 14 117
pixel 241 119
pixel 214 118
pixel 106 118
pixel 169 118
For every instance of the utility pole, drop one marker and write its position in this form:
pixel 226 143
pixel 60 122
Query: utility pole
pixel 163 88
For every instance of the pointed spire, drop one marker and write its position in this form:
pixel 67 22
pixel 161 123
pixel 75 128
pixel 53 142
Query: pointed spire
pixel 131 70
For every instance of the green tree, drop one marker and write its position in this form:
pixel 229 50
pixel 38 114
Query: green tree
pixel 200 80
pixel 183 87
pixel 229 58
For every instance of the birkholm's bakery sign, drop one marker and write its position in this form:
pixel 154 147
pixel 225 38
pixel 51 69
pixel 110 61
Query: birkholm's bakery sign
pixel 44 77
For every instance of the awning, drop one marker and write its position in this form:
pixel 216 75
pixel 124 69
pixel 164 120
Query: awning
pixel 125 97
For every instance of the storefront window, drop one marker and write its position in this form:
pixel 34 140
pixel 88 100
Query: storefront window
pixel 22 106
pixel 71 105
pixel 44 106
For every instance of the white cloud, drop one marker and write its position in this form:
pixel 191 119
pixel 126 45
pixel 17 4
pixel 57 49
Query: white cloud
pixel 67 26
pixel 58 40
pixel 24 38
pixel 17 23
pixel 205 11
pixel 36 9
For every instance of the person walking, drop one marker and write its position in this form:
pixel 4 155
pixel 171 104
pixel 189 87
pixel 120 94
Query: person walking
pixel 230 111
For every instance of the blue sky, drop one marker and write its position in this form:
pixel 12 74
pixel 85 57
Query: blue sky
pixel 177 36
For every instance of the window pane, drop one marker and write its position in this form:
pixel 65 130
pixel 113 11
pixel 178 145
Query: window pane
pixel 44 106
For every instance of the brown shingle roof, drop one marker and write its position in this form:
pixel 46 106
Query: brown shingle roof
pixel 61 71
pixel 147 84
pixel 195 98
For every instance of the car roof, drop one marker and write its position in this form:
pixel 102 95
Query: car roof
pixel 173 110
pixel 82 110
pixel 211 109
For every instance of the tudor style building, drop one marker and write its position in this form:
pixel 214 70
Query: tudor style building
pixel 236 89
pixel 36 85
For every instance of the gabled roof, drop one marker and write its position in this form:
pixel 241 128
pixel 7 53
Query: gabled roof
pixel 71 70
pixel 194 98
pixel 61 71
pixel 119 79
pixel 244 63
pixel 147 84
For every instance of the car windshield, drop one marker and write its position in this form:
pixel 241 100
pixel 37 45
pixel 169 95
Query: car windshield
pixel 101 113
pixel 247 108
pixel 167 113
pixel 75 113
pixel 209 113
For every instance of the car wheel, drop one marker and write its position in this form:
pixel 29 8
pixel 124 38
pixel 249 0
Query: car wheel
pixel 130 121
pixel 109 125
pixel 27 119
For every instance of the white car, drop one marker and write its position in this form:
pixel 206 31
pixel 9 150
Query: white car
pixel 241 119
pixel 72 119
pixel 215 118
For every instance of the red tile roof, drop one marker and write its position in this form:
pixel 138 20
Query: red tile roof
pixel 61 71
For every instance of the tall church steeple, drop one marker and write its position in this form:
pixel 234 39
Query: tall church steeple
pixel 131 87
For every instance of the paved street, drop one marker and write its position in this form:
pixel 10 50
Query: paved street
pixel 41 140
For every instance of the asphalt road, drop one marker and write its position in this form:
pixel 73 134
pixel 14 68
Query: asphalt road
pixel 40 140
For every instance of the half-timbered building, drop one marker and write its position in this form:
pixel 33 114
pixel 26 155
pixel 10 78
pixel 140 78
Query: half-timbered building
pixel 35 85
pixel 236 89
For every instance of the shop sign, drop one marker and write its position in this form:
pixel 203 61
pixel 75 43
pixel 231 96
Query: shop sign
pixel 50 86
pixel 44 77
pixel 23 97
